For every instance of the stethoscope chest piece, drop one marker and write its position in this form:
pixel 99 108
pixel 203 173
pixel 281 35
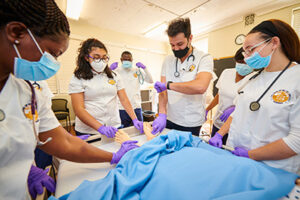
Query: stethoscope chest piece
pixel 176 74
pixel 254 106
pixel 2 115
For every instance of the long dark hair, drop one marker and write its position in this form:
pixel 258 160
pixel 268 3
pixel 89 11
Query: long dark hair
pixel 84 69
pixel 288 38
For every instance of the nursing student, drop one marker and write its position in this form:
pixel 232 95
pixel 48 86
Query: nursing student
pixel 185 77
pixel 265 124
pixel 132 78
pixel 95 91
pixel 228 85
pixel 29 46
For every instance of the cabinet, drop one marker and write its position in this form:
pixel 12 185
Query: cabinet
pixel 146 97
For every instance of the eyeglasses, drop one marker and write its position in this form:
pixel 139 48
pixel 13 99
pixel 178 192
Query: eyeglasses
pixel 248 52
pixel 104 59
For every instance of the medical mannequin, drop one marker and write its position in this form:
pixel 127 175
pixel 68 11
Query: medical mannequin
pixel 228 85
pixel 265 124
pixel 95 90
pixel 186 75
pixel 26 118
pixel 132 78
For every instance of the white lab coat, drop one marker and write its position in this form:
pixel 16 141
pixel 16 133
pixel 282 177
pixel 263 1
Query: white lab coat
pixel 183 109
pixel 278 116
pixel 132 85
pixel 227 93
pixel 100 100
pixel 17 141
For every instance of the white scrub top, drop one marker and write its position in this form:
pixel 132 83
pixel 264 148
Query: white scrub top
pixel 100 100
pixel 17 141
pixel 132 85
pixel 44 89
pixel 278 116
pixel 183 109
pixel 227 93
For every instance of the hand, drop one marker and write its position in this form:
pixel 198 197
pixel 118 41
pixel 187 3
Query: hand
pixel 37 179
pixel 140 65
pixel 83 137
pixel 240 151
pixel 114 66
pixel 138 125
pixel 125 147
pixel 226 113
pixel 108 131
pixel 159 123
pixel 160 87
pixel 216 141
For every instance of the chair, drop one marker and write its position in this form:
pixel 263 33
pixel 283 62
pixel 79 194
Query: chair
pixel 61 111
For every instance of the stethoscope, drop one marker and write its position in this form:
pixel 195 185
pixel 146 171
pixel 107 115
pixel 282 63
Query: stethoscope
pixel 255 105
pixel 33 107
pixel 176 73
pixel 140 76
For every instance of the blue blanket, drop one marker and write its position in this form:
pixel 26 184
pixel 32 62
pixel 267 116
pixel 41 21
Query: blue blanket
pixel 180 166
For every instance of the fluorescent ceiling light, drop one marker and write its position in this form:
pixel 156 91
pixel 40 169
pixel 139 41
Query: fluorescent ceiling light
pixel 74 8
pixel 157 30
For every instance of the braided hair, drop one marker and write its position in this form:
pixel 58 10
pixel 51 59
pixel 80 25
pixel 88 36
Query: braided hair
pixel 42 17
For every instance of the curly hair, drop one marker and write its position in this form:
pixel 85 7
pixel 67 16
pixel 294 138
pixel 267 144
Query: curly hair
pixel 42 17
pixel 83 69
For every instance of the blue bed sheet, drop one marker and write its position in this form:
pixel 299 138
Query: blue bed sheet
pixel 180 166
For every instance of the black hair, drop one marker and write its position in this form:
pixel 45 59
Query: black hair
pixel 42 17
pixel 238 57
pixel 179 25
pixel 126 53
pixel 84 69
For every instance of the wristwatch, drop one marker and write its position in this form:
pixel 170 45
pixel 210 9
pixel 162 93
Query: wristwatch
pixel 168 84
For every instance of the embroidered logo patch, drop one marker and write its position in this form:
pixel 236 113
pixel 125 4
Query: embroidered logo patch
pixel 191 68
pixel 28 114
pixel 281 96
pixel 111 81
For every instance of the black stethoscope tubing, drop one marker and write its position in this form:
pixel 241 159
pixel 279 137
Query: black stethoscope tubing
pixel 255 105
pixel 176 73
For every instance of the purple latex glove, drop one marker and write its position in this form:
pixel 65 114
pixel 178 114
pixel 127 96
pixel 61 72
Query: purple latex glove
pixel 160 87
pixel 226 113
pixel 37 179
pixel 240 151
pixel 138 125
pixel 108 131
pixel 159 123
pixel 125 147
pixel 216 140
pixel 114 66
pixel 84 137
pixel 140 65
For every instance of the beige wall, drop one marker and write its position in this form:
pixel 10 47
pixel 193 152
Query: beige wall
pixel 144 50
pixel 221 42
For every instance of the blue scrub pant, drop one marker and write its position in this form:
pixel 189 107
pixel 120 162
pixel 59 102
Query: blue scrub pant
pixel 126 120
pixel 213 132
pixel 42 159
pixel 195 130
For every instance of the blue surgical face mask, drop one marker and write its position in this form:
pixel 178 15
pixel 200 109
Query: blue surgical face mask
pixel 43 69
pixel 243 69
pixel 126 64
pixel 256 61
